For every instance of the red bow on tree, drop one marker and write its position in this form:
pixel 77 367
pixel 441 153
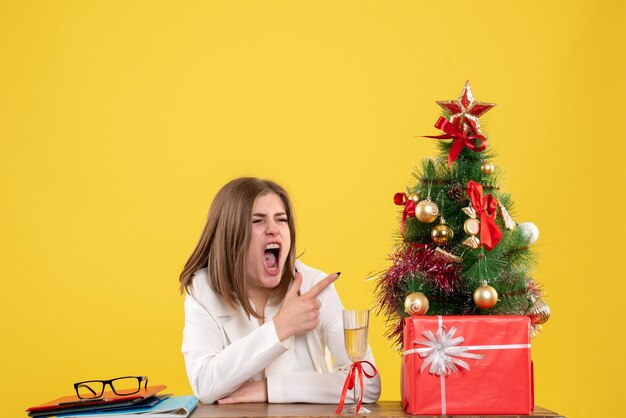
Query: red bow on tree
pixel 401 199
pixel 490 233
pixel 459 139
pixel 355 369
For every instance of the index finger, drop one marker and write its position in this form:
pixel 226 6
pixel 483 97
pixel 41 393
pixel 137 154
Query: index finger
pixel 323 284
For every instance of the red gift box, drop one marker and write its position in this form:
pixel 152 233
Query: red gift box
pixel 465 365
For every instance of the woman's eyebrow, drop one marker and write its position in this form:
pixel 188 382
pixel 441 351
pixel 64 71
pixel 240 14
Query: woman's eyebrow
pixel 263 215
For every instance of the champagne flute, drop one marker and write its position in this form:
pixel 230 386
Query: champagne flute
pixel 355 325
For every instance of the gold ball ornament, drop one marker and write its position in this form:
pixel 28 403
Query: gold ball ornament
pixel 487 167
pixel 441 234
pixel 539 313
pixel 414 197
pixel 485 296
pixel 416 303
pixel 426 211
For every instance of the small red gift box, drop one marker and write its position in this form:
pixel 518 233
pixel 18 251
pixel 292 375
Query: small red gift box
pixel 464 365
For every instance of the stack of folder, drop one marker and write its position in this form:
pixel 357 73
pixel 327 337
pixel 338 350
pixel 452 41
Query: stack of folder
pixel 146 403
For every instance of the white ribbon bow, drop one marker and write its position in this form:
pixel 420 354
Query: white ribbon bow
pixel 443 352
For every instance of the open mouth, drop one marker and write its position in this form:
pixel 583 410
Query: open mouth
pixel 271 256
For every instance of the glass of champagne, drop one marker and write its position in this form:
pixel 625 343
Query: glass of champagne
pixel 355 324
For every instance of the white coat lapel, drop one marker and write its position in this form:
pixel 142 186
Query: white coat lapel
pixel 234 321
pixel 237 325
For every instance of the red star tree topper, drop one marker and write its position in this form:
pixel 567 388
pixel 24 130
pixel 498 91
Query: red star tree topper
pixel 465 111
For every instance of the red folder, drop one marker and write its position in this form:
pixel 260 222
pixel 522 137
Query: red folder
pixel 108 399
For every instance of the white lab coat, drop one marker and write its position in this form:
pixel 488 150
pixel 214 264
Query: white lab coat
pixel 223 349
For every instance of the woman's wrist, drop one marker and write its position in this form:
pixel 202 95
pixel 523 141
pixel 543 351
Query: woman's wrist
pixel 281 328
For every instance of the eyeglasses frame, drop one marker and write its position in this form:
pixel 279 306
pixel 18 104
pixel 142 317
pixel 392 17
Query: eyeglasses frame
pixel 109 382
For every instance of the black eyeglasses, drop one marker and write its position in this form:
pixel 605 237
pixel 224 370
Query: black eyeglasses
pixel 126 385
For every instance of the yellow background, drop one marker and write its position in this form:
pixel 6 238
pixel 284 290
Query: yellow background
pixel 119 121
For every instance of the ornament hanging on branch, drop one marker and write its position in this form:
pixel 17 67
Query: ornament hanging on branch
pixel 485 296
pixel 530 231
pixel 509 223
pixel 441 234
pixel 447 256
pixel 539 313
pixel 471 228
pixel 426 211
pixel 487 167
pixel 416 303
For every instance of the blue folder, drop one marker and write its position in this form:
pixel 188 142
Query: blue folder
pixel 176 406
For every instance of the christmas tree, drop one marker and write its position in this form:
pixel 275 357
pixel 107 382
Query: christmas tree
pixel 459 251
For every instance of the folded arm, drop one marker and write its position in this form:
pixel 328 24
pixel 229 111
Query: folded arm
pixel 215 370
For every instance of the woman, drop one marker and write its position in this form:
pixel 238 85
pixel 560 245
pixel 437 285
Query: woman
pixel 259 325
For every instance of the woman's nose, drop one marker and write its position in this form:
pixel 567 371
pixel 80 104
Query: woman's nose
pixel 272 228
